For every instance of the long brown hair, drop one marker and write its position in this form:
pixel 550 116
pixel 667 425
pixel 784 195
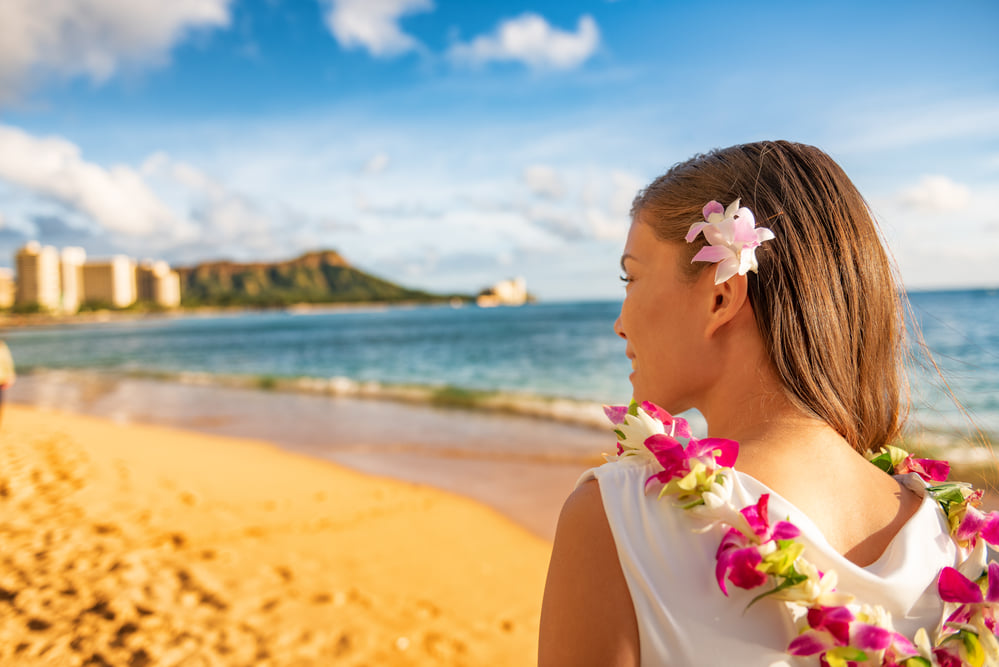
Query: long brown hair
pixel 826 299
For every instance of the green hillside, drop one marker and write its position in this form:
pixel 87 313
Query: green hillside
pixel 316 277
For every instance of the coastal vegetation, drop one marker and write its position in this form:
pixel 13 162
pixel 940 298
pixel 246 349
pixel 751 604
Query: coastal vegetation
pixel 319 277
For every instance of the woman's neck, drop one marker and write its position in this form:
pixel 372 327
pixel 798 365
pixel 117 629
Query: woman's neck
pixel 749 404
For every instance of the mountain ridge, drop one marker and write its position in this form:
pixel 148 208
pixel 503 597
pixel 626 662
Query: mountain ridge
pixel 318 276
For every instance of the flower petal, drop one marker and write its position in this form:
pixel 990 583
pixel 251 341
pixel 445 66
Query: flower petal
pixel 681 428
pixel 742 568
pixel 656 412
pixel 990 531
pixel 992 594
pixel 695 229
pixel 866 636
pixel 785 530
pixel 669 452
pixel 955 587
pixel 616 413
pixel 732 208
pixel 972 523
pixel 712 207
pixel 727 269
pixel 757 517
pixel 713 253
pixel 929 469
pixel 809 643
pixel 742 227
pixel 725 452
pixel 834 620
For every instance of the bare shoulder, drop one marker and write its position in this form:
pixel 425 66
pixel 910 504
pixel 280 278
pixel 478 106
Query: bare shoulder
pixel 587 617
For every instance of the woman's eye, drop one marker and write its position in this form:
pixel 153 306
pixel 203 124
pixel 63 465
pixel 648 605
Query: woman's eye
pixel 626 279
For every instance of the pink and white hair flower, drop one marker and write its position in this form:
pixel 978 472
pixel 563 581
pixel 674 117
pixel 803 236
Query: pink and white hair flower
pixel 732 237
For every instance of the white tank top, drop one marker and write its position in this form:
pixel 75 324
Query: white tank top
pixel 685 619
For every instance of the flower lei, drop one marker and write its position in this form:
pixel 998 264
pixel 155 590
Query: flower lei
pixel 755 554
pixel 732 238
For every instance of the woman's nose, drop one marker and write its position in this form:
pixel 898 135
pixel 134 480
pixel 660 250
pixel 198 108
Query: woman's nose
pixel 618 329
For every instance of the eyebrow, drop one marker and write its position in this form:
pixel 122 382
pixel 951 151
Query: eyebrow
pixel 624 257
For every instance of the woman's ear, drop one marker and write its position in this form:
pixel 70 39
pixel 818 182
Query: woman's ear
pixel 729 300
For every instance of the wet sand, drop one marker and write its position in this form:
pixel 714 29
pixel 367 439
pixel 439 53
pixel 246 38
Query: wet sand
pixel 523 467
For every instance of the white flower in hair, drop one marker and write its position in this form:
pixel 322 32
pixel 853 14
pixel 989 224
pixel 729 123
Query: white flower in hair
pixel 732 237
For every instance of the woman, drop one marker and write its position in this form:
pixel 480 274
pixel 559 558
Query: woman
pixel 789 341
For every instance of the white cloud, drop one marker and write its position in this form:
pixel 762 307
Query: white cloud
pixel 600 212
pixel 531 40
pixel 227 221
pixel 93 37
pixel 376 164
pixel 116 198
pixel 935 194
pixel 556 221
pixel 544 181
pixel 608 213
pixel 373 24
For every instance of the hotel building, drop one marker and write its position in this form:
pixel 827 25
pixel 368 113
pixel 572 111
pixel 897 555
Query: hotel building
pixel 156 283
pixel 111 282
pixel 37 276
pixel 71 275
pixel 6 288
pixel 61 282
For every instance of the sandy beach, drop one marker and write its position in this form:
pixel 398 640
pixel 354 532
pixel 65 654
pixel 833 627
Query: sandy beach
pixel 135 544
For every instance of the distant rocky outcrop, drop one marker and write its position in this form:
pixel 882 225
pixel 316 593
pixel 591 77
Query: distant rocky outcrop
pixel 316 277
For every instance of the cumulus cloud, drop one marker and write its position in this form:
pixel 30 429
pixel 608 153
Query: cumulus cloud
pixel 600 211
pixel 544 181
pixel 935 194
pixel 376 164
pixel 608 212
pixel 117 198
pixel 224 219
pixel 373 24
pixel 531 40
pixel 564 224
pixel 93 37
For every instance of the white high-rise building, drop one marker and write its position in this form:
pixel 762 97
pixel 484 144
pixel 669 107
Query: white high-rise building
pixel 71 272
pixel 37 276
pixel 158 284
pixel 6 288
pixel 111 282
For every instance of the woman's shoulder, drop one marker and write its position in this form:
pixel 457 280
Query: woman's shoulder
pixel 585 573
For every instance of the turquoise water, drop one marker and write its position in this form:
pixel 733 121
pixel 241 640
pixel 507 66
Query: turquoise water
pixel 563 350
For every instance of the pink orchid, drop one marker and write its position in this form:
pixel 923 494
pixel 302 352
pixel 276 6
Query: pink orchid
pixel 732 239
pixel 738 555
pixel 616 413
pixel 836 631
pixel 635 423
pixel 976 523
pixel 677 426
pixel 677 460
pixel 955 587
pixel 946 658
pixel 929 469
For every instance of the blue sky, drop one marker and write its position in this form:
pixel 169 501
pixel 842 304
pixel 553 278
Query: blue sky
pixel 448 145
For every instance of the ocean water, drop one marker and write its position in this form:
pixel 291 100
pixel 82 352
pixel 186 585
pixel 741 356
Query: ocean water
pixel 549 350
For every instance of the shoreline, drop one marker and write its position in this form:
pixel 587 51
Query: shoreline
pixel 523 467
pixel 50 320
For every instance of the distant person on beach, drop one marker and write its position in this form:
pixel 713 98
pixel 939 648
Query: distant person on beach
pixel 759 292
pixel 7 375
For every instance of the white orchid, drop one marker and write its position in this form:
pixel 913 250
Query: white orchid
pixel 732 238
